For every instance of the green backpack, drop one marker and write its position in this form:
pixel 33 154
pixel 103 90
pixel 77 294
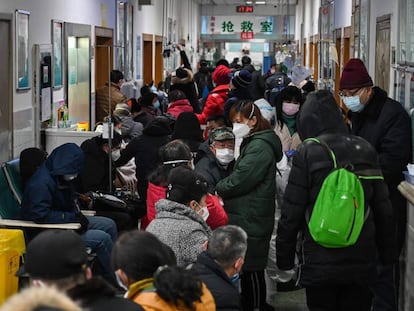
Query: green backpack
pixel 339 212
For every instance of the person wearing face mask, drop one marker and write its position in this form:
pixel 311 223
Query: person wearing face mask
pixel 220 264
pixel 215 157
pixel 174 154
pixel 384 123
pixel 95 176
pixel 50 197
pixel 180 221
pixel 249 196
pixel 148 106
pixel 288 103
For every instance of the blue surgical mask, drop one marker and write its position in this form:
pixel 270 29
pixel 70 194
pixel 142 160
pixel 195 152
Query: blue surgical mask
pixel 156 105
pixel 235 279
pixel 353 103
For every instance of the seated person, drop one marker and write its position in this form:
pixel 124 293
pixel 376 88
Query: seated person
pixel 219 265
pixel 147 268
pixel 180 221
pixel 50 197
pixel 174 154
pixel 58 258
pixel 129 128
pixel 215 157
pixel 95 176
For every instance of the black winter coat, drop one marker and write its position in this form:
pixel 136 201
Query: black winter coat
pixel 145 150
pixel 386 125
pixel 225 294
pixel 311 164
pixel 95 172
pixel 257 86
pixel 97 295
pixel 207 165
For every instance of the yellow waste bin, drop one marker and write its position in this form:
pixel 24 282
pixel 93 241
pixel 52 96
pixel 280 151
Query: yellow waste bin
pixel 12 247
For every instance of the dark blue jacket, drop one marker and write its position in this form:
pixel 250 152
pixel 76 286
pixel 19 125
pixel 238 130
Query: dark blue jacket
pixel 47 197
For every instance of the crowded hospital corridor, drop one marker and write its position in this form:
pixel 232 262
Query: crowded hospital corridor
pixel 207 155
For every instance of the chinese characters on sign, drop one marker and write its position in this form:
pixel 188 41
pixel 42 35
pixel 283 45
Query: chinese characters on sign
pixel 246 27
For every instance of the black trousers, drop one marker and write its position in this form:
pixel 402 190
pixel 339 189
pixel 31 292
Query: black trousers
pixel 253 291
pixel 334 297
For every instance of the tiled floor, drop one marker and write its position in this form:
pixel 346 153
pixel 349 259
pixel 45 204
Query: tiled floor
pixel 290 301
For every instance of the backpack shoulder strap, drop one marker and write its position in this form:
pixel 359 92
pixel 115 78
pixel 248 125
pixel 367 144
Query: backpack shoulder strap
pixel 329 150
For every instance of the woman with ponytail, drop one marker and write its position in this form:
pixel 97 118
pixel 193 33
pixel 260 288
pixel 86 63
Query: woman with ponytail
pixel 146 267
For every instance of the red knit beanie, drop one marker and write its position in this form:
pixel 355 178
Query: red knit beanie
pixel 221 75
pixel 355 75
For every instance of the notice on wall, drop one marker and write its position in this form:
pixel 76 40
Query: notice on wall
pixel 45 99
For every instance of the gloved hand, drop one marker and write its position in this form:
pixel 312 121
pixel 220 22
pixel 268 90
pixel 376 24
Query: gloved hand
pixel 80 218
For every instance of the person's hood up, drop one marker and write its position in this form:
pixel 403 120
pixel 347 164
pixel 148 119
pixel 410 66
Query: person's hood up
pixel 182 79
pixel 159 126
pixel 319 115
pixel 66 159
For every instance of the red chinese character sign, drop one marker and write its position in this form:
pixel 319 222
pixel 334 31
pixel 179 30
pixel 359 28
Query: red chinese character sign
pixel 247 35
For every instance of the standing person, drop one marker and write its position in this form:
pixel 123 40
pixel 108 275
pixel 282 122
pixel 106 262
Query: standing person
pixel 103 102
pixel 214 104
pixel 288 103
pixel 249 196
pixel 183 79
pixel 386 125
pixel 238 90
pixel 203 80
pixel 59 258
pixel 219 265
pixel 257 87
pixel 334 278
pixel 148 269
pixel 50 197
pixel 181 218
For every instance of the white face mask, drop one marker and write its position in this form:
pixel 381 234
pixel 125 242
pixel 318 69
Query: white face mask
pixel 116 154
pixel 225 155
pixel 120 283
pixel 204 213
pixel 70 177
pixel 240 130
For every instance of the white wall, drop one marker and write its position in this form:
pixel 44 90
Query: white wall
pixel 41 14
pixel 343 12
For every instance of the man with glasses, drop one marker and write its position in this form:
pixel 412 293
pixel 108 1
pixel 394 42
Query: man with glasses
pixel 215 157
pixel 386 125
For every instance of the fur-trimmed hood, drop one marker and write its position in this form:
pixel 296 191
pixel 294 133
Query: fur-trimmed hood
pixel 40 299
pixel 187 79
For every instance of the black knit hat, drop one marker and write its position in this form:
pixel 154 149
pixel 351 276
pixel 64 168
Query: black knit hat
pixel 242 78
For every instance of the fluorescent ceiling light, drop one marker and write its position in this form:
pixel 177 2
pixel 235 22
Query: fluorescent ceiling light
pixel 260 2
pixel 249 2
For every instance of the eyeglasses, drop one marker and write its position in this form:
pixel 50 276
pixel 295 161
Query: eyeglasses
pixel 349 93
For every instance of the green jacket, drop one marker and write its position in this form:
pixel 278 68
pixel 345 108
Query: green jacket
pixel 249 194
